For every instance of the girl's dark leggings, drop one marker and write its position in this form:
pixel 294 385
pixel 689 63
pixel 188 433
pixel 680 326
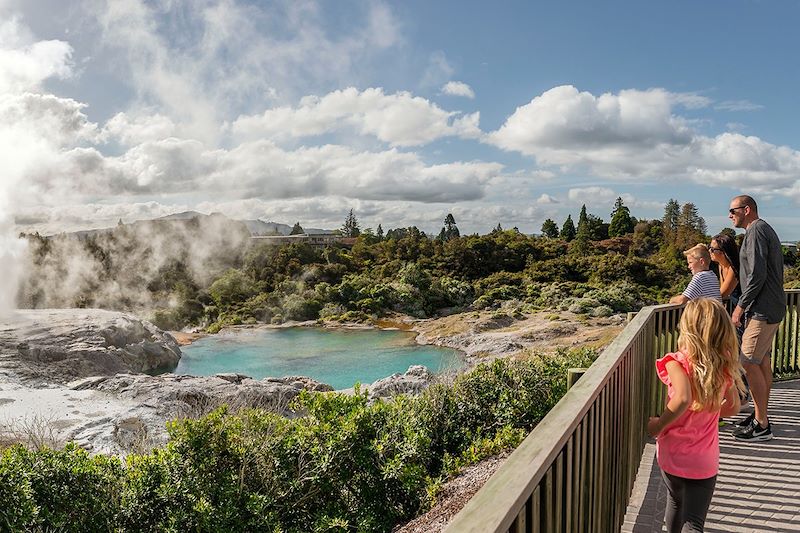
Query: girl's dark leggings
pixel 688 501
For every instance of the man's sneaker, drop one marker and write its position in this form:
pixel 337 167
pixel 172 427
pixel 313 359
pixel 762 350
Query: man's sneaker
pixel 746 421
pixel 755 433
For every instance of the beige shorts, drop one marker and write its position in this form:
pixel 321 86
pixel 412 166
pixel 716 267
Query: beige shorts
pixel 757 341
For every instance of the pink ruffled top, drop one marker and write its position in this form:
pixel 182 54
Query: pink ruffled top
pixel 689 447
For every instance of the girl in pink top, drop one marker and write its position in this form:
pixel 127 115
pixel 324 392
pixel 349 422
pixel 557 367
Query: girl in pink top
pixel 703 380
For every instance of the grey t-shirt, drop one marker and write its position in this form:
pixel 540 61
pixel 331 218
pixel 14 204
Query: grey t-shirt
pixel 761 273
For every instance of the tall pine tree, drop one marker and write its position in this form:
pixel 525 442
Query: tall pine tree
pixel 583 218
pixel 450 230
pixel 669 222
pixel 549 229
pixel 621 221
pixel 350 227
pixel 568 229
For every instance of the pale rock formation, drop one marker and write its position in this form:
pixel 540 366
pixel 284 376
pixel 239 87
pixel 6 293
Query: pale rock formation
pixel 60 345
pixel 155 400
pixel 415 380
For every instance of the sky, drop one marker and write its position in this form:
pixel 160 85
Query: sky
pixel 298 111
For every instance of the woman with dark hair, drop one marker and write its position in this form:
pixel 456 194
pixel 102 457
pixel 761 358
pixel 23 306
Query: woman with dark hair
pixel 725 253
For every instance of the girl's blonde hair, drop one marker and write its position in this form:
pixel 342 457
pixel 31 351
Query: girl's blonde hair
pixel 708 339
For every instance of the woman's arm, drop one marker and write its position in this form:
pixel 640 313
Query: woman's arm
pixel 728 282
pixel 731 404
pixel 678 404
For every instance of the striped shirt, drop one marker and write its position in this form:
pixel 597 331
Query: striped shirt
pixel 704 284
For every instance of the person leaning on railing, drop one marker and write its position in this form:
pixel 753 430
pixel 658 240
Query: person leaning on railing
pixel 704 283
pixel 725 253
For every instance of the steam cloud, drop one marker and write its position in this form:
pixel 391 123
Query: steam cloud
pixel 131 267
pixel 11 250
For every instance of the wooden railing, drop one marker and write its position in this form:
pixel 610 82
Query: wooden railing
pixel 575 470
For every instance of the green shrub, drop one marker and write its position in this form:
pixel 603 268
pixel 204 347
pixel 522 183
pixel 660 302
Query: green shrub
pixel 499 279
pixel 339 463
pixel 59 490
pixel 496 295
pixel 19 510
pixel 295 307
pixel 232 288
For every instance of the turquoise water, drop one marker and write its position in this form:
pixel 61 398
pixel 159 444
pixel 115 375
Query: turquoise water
pixel 339 358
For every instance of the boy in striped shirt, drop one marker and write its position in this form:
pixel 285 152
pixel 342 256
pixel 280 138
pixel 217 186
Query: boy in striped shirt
pixel 704 283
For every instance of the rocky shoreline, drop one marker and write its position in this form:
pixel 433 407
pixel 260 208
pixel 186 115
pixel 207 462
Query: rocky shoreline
pixel 82 374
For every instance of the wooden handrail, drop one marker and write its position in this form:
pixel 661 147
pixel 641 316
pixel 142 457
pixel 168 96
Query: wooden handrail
pixel 575 470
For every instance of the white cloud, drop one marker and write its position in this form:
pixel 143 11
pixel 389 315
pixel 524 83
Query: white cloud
pixel 131 129
pixel 458 88
pixel 399 119
pixel 438 70
pixel 738 105
pixel 591 196
pixel 603 198
pixel 262 170
pixel 25 63
pixel 35 129
pixel 636 134
pixel 45 118
pixel 546 199
pixel 564 126
pixel 690 100
pixel 232 57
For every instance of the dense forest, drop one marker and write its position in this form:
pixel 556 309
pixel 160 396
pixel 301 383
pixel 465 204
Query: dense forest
pixel 207 272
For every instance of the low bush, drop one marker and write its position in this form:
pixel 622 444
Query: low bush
pixel 59 490
pixel 340 463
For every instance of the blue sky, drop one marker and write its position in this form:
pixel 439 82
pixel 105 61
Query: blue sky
pixel 507 112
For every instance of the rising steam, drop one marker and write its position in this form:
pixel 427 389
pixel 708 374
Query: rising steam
pixel 12 250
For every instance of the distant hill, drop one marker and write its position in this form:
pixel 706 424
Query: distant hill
pixel 186 215
pixel 255 227
pixel 259 227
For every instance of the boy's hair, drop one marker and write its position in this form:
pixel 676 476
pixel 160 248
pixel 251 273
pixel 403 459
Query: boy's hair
pixel 708 339
pixel 699 251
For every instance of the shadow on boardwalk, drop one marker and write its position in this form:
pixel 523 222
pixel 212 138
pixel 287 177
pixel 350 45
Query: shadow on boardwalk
pixel 758 487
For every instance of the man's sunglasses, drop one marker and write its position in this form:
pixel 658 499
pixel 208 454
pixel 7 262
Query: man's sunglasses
pixel 732 210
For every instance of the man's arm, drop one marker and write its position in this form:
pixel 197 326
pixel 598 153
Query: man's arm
pixel 678 299
pixel 756 249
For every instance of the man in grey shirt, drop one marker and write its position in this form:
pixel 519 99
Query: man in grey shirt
pixel 761 307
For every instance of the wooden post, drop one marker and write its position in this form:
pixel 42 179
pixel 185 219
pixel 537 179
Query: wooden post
pixel 573 375
pixel 631 314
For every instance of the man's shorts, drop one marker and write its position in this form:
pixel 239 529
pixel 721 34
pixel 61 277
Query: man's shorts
pixel 757 341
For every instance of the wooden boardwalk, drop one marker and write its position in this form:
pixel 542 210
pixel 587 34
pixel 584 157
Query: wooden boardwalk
pixel 758 487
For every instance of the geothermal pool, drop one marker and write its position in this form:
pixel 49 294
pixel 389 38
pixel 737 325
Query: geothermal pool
pixel 339 358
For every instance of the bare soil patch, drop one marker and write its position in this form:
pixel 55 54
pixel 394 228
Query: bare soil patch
pixel 454 495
